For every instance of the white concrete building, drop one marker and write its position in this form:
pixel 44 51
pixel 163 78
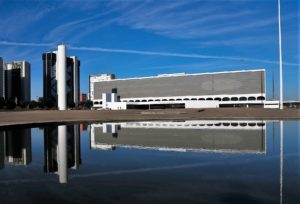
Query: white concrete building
pixel 244 88
pixel 98 78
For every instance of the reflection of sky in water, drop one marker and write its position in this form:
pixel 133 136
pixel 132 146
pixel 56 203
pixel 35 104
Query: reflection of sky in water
pixel 135 171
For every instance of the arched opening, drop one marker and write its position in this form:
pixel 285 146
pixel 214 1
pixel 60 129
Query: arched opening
pixel 137 100
pixel 217 99
pixel 234 99
pixel 164 100
pixel 186 99
pixel 251 98
pixel 242 98
pixel 194 99
pixel 171 99
pixel 201 99
pixel 131 100
pixel 157 99
pixel 178 99
pixel 209 99
pixel 150 100
pixel 225 99
pixel 260 98
pixel 260 124
pixel 144 100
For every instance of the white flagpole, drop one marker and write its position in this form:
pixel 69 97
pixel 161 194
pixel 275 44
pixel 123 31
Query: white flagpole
pixel 280 59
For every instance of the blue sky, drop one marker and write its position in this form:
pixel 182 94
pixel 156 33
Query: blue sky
pixel 141 38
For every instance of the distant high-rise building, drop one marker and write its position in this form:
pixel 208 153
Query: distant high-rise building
pixel 83 97
pixel 1 78
pixel 17 81
pixel 58 67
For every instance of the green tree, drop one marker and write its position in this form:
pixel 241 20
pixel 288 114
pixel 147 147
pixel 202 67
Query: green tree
pixel 24 104
pixel 49 103
pixel 88 104
pixel 10 104
pixel 71 104
pixel 41 102
pixel 33 104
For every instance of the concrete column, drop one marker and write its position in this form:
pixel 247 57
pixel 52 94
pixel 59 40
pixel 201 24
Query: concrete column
pixel 62 154
pixel 61 71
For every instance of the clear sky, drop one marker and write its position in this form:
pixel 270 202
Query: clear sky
pixel 142 38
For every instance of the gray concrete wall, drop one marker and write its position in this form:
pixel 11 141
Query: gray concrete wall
pixel 189 85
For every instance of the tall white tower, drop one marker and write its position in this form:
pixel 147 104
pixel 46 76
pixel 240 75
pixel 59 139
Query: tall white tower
pixel 61 70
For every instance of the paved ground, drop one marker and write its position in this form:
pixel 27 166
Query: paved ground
pixel 36 117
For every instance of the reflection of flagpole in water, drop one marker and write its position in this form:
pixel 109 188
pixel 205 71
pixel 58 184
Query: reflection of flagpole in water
pixel 273 136
pixel 281 160
pixel 62 153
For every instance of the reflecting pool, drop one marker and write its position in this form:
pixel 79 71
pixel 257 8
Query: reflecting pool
pixel 152 162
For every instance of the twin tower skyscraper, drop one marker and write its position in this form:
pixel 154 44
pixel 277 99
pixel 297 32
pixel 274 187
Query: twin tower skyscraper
pixel 61 82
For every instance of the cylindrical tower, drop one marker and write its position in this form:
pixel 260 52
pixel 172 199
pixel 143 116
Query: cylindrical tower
pixel 61 70
pixel 62 154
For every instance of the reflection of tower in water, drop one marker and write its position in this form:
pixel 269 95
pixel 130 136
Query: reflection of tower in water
pixel 62 150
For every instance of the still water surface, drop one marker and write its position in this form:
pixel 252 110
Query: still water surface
pixel 152 162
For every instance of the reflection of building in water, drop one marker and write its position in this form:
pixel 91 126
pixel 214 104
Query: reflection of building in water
pixel 2 153
pixel 224 136
pixel 62 149
pixel 17 146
